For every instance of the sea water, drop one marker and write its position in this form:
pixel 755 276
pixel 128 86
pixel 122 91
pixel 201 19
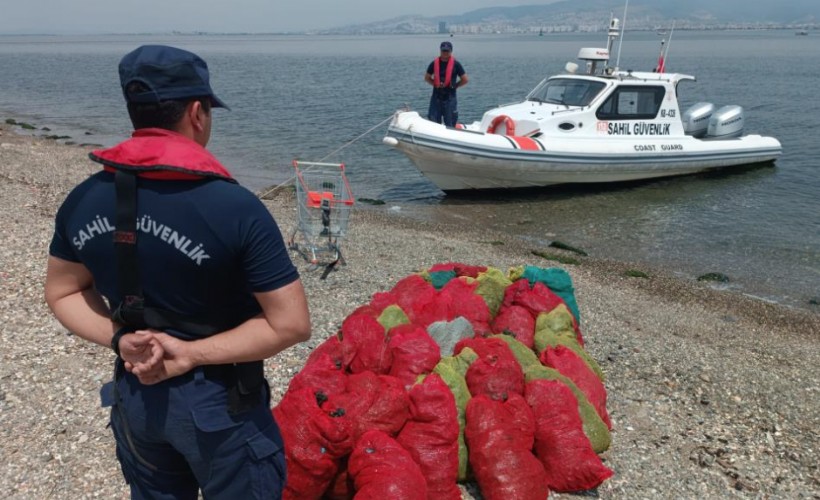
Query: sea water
pixel 328 98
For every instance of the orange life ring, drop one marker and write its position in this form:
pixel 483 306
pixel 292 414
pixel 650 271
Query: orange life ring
pixel 509 124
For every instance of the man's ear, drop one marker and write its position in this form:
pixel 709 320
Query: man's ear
pixel 196 115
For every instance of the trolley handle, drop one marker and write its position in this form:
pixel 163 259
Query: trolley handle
pixel 309 164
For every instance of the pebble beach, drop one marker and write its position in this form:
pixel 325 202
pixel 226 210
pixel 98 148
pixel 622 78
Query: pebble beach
pixel 712 394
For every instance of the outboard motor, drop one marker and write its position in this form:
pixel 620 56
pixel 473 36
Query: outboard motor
pixel 696 119
pixel 726 123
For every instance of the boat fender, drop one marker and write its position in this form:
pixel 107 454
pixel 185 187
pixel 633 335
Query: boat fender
pixel 509 124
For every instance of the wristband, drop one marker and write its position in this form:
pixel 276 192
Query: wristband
pixel 115 340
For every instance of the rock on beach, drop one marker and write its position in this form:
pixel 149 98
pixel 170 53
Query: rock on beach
pixel 712 394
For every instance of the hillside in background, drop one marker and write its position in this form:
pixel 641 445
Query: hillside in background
pixel 590 15
pixel 725 11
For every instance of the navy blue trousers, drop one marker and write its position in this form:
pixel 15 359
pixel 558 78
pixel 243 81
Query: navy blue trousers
pixel 443 110
pixel 177 437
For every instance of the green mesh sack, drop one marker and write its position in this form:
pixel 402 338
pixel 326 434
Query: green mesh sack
pixel 491 286
pixel 440 278
pixel 515 273
pixel 451 369
pixel 392 316
pixel 525 356
pixel 461 362
pixel 555 328
pixel 594 428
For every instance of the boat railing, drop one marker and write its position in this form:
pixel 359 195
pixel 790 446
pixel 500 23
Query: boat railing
pixel 509 104
pixel 557 111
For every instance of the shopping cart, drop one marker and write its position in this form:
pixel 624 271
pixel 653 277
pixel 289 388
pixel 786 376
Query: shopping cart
pixel 324 202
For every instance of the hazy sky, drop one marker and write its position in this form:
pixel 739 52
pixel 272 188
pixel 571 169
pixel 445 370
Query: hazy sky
pixel 131 16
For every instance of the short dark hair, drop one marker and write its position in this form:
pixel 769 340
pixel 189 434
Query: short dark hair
pixel 163 114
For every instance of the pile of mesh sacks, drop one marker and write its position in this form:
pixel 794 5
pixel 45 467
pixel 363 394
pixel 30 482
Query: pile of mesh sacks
pixel 459 373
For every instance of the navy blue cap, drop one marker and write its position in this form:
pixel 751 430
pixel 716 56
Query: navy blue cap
pixel 168 72
pixel 447 46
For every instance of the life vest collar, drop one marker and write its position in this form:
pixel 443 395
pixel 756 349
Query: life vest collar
pixel 156 153
pixel 448 73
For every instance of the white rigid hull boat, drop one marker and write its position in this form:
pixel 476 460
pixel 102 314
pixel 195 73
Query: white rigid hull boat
pixel 595 126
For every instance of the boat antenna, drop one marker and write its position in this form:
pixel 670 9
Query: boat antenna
pixel 666 53
pixel 623 32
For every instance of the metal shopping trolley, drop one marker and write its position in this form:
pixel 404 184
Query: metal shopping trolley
pixel 324 202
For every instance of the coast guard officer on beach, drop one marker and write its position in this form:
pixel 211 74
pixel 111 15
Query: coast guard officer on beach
pixel 445 74
pixel 201 287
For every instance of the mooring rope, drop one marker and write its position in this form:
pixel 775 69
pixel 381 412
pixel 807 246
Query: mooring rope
pixel 274 188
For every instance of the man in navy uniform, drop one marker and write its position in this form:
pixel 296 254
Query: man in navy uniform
pixel 445 74
pixel 164 258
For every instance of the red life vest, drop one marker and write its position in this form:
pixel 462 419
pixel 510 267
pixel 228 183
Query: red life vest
pixel 157 153
pixel 448 74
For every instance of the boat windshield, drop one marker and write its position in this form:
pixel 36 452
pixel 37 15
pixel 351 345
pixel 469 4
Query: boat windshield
pixel 567 91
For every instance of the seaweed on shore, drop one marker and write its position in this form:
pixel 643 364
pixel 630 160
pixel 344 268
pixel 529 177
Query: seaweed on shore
pixel 558 258
pixel 371 201
pixel 564 246
pixel 716 277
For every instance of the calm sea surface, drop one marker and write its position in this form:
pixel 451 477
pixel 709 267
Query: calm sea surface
pixel 305 97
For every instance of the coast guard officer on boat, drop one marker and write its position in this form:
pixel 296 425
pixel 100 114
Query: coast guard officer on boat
pixel 445 74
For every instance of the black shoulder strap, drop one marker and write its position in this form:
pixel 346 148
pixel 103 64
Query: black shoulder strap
pixel 130 311
pixel 246 378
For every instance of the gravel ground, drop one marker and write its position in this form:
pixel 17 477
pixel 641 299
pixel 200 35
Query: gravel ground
pixel 711 393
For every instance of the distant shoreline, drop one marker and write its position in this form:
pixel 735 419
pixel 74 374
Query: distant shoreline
pixel 533 31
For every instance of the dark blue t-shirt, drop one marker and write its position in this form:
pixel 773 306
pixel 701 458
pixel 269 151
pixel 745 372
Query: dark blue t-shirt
pixel 204 247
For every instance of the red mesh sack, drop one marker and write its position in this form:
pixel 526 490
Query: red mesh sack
pixel 468 270
pixel 500 437
pixel 517 322
pixel 322 374
pixel 381 469
pixel 536 299
pixel 413 352
pixel 413 292
pixel 571 366
pixel 459 268
pixel 370 401
pixel 364 345
pixel 341 488
pixel 466 303
pixel 496 373
pixel 431 436
pixel 560 442
pixel 496 377
pixel 578 336
pixel 380 301
pixel 313 444
pixel 369 310
pixel 486 347
pixel 423 314
pixel 331 347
